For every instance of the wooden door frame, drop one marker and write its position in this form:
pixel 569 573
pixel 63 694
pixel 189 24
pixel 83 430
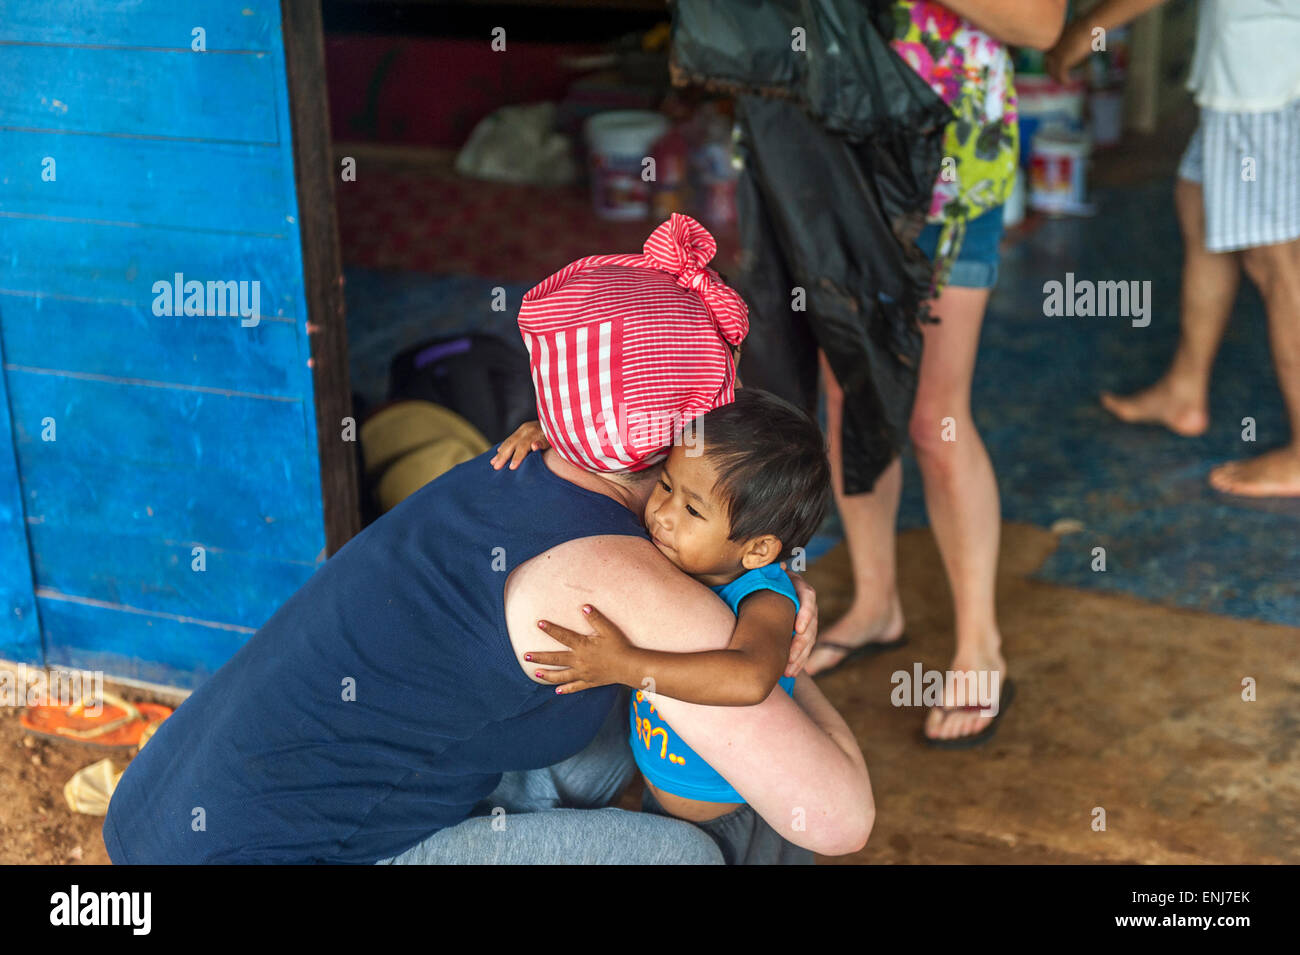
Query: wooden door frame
pixel 322 266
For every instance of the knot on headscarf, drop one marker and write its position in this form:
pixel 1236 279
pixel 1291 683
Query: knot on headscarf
pixel 684 248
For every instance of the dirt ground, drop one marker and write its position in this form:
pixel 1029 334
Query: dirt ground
pixel 36 825
pixel 1121 705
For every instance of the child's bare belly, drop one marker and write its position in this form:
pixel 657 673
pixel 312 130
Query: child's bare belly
pixel 692 810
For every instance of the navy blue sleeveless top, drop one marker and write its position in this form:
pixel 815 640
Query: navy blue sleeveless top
pixel 383 700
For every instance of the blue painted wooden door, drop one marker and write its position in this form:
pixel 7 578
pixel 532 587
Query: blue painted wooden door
pixel 159 475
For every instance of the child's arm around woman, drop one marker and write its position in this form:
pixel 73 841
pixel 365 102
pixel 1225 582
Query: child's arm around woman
pixel 741 675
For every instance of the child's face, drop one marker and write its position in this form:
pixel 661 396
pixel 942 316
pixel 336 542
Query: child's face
pixel 687 518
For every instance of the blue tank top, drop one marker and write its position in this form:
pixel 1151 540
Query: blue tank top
pixel 383 700
pixel 660 754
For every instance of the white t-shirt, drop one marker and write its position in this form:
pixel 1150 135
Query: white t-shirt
pixel 1247 56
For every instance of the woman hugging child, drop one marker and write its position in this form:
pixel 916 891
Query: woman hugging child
pixel 746 494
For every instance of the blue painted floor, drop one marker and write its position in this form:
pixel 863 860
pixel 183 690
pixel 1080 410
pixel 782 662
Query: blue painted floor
pixel 1140 492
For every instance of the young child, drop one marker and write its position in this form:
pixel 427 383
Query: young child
pixel 727 510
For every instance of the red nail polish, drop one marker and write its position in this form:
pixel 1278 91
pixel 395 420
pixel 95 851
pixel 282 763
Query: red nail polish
pixel 559 689
pixel 538 674
pixel 586 609
pixel 528 657
pixel 542 624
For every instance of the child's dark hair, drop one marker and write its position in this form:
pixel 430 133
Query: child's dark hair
pixel 773 469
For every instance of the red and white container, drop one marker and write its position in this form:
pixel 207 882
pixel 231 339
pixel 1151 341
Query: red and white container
pixel 1058 172
pixel 619 142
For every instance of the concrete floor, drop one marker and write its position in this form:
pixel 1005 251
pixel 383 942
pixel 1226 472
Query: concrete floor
pixel 1121 704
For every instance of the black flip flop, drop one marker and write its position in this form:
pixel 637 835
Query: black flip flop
pixel 856 653
pixel 983 736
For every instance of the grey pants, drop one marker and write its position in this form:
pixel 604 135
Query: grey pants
pixel 743 837
pixel 559 816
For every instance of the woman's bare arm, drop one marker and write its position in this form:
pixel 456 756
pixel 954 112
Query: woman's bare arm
pixel 819 709
pixel 1075 43
pixel 792 771
pixel 1109 14
pixel 794 760
pixel 1032 23
pixel 741 675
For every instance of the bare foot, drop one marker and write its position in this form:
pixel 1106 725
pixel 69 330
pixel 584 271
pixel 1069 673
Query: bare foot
pixel 947 723
pixel 1273 474
pixel 1163 403
pixel 857 628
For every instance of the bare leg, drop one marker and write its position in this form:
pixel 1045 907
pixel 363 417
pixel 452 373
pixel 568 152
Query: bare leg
pixel 961 492
pixel 1275 269
pixel 869 530
pixel 1180 399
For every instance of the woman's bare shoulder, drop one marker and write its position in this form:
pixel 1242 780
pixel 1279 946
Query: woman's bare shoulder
pixel 589 561
pixel 632 584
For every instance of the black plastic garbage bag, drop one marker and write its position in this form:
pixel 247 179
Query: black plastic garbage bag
pixel 841 143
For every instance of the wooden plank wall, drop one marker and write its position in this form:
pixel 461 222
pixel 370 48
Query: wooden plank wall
pixel 20 634
pixel 173 432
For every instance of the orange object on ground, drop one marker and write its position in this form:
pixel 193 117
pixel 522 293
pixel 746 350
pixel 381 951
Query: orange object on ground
pixel 117 724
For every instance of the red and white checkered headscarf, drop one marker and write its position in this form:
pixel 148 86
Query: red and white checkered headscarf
pixel 624 349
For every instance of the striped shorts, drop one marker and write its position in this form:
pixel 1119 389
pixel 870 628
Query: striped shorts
pixel 1248 165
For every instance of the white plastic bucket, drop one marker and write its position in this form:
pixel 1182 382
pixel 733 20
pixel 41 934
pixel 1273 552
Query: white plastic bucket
pixel 1107 109
pixel 1058 171
pixel 618 144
